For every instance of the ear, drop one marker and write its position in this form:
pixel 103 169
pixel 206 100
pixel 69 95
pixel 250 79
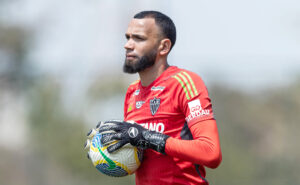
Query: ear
pixel 164 47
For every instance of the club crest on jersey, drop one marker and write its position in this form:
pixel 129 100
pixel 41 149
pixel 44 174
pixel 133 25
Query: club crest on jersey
pixel 154 105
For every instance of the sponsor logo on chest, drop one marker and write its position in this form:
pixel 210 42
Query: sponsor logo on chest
pixel 158 127
pixel 139 104
pixel 157 88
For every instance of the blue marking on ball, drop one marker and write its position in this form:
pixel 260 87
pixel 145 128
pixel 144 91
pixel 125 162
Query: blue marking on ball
pixel 117 172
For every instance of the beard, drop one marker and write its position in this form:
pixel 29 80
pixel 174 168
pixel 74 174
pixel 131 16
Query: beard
pixel 141 64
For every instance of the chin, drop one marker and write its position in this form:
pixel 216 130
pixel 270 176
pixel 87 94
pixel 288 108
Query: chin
pixel 130 62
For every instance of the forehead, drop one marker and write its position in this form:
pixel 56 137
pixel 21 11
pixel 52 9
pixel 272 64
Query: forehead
pixel 145 26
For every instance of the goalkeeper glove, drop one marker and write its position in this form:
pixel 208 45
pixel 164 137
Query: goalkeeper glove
pixel 130 132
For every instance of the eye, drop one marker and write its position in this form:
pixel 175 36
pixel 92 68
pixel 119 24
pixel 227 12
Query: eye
pixel 139 38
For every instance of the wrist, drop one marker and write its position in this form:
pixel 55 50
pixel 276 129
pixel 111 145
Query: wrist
pixel 168 145
pixel 156 141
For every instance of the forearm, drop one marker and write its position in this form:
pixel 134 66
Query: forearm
pixel 204 149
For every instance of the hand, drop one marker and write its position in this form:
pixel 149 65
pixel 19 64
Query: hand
pixel 90 136
pixel 130 132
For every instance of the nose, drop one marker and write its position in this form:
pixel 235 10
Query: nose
pixel 129 45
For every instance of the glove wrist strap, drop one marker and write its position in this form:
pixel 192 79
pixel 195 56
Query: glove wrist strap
pixel 155 141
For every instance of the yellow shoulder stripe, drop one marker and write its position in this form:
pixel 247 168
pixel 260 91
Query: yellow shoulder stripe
pixel 187 84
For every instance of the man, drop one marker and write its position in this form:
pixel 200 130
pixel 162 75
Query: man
pixel 171 109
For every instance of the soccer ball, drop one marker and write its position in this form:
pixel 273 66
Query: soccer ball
pixel 120 163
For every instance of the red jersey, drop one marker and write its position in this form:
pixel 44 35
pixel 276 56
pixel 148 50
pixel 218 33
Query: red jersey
pixel 171 104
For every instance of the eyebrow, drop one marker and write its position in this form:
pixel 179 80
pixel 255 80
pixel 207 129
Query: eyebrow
pixel 135 36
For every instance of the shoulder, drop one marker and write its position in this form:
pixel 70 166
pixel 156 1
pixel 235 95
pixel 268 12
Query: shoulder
pixel 133 87
pixel 190 83
pixel 186 74
pixel 176 72
pixel 185 77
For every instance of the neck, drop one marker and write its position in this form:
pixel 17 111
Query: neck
pixel 148 75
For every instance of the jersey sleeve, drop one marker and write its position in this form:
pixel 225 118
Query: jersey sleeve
pixel 193 98
pixel 206 145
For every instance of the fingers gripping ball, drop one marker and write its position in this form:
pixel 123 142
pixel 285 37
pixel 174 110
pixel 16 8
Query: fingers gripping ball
pixel 120 163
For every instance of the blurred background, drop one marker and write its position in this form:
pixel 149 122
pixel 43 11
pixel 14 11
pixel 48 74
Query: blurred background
pixel 61 72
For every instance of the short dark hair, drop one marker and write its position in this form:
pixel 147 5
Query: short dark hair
pixel 165 23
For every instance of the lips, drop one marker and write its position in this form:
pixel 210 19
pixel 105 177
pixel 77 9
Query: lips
pixel 130 56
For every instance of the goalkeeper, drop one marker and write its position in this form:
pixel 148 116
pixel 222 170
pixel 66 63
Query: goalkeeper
pixel 170 106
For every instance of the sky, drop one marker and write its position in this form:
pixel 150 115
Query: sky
pixel 242 44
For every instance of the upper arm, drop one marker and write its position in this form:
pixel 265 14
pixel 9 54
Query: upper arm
pixel 193 98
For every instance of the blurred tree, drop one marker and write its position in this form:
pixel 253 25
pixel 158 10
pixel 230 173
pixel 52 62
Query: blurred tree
pixel 15 71
pixel 256 131
pixel 103 87
pixel 13 76
pixel 55 154
pixel 59 138
pixel 258 136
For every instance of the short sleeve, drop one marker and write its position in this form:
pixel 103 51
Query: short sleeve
pixel 193 98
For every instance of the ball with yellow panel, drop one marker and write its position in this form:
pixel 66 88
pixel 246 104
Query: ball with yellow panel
pixel 122 162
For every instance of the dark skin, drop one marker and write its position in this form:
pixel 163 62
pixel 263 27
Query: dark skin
pixel 144 36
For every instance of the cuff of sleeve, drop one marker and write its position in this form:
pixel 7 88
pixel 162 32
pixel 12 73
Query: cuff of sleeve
pixel 169 143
